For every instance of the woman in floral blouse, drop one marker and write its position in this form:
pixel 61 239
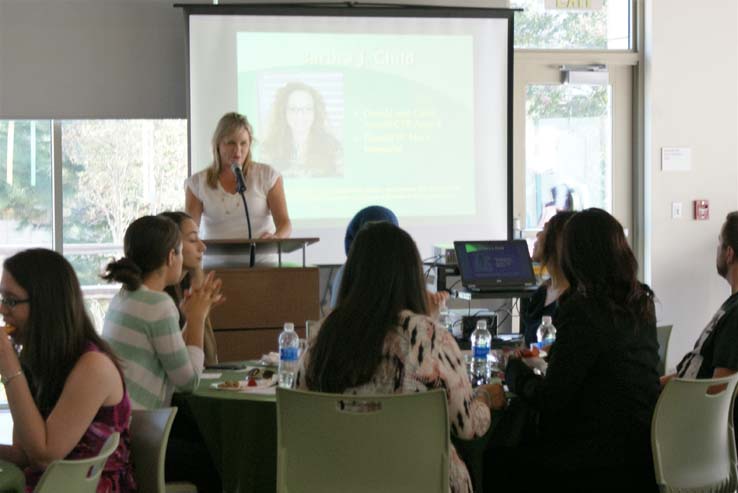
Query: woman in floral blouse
pixel 380 339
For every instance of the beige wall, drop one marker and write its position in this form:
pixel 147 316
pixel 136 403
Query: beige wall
pixel 67 59
pixel 691 101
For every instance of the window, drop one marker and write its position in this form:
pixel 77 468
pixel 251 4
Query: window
pixel 25 189
pixel 572 142
pixel 606 29
pixel 573 109
pixel 568 155
pixel 113 172
pixel 25 185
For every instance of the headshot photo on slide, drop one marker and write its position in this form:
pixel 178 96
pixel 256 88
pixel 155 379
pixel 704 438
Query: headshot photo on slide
pixel 300 139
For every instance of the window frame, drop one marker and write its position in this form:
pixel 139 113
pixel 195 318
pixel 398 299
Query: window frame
pixel 635 33
pixel 625 157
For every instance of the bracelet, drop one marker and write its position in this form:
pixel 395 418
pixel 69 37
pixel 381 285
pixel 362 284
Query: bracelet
pixel 6 380
pixel 484 395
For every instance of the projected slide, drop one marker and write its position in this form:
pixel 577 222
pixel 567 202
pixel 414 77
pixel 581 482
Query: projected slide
pixel 404 108
pixel 352 119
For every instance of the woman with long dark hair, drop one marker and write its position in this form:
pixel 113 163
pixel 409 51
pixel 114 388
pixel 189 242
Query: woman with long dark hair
pixel 193 275
pixel 380 339
pixel 601 386
pixel 66 392
pixel 544 301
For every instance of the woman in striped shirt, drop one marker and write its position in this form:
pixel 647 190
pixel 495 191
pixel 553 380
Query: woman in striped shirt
pixel 142 322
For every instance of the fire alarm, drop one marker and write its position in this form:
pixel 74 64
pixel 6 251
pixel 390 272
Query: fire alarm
pixel 701 210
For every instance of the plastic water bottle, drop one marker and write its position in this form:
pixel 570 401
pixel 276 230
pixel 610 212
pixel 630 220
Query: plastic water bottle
pixel 289 345
pixel 481 340
pixel 546 332
pixel 517 229
pixel 446 322
pixel 446 318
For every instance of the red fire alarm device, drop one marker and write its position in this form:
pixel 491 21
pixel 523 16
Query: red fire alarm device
pixel 701 210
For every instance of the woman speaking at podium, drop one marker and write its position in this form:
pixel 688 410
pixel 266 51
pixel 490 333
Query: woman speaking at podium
pixel 211 196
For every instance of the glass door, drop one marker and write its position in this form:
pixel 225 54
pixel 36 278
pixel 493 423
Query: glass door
pixel 573 142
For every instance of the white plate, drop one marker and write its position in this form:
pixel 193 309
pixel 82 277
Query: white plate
pixel 261 384
pixel 216 386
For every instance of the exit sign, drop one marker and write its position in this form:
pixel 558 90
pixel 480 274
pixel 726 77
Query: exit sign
pixel 574 4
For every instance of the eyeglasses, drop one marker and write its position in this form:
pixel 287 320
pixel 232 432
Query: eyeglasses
pixel 12 302
pixel 300 110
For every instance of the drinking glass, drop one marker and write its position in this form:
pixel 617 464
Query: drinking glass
pixel 310 325
pixel 497 359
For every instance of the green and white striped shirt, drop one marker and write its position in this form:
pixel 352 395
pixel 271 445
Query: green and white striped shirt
pixel 142 327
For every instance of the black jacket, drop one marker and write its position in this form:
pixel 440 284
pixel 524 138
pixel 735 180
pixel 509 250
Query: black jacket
pixel 598 396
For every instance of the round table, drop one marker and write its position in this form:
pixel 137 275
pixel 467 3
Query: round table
pixel 240 431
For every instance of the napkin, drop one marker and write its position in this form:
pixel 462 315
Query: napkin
pixel 270 359
pixel 210 376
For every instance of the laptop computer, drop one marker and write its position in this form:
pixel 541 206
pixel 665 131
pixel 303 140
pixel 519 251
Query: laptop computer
pixel 495 265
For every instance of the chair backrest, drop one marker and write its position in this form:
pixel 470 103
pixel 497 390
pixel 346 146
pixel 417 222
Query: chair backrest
pixel 387 443
pixel 149 436
pixel 663 334
pixel 77 476
pixel 692 436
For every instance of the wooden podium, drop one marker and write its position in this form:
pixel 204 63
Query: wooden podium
pixel 260 299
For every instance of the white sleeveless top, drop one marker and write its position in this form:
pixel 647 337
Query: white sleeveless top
pixel 222 212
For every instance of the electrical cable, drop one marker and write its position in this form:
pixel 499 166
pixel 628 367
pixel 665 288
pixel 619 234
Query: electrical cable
pixel 432 261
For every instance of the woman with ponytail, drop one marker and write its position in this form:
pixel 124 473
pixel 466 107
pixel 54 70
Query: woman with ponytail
pixel 142 322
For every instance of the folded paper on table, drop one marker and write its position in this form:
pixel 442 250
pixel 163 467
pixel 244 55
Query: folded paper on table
pixel 270 359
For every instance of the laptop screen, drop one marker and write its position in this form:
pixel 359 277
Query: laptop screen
pixel 489 264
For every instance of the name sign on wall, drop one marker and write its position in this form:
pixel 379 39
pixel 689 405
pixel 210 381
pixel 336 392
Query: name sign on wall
pixel 571 5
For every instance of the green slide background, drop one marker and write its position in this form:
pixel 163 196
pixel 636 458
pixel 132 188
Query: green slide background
pixel 408 130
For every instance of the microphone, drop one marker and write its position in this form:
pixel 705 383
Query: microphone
pixel 240 181
pixel 241 190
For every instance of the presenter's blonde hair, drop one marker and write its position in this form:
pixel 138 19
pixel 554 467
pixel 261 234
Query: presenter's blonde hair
pixel 228 123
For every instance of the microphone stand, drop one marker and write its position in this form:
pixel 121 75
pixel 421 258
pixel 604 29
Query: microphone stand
pixel 241 189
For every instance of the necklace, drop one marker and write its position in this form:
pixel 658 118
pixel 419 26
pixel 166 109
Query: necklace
pixel 230 200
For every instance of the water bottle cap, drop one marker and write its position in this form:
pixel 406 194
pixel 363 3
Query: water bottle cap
pixel 289 326
pixel 546 319
pixel 481 324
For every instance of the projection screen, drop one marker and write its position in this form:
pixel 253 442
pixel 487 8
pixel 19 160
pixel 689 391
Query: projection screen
pixel 408 108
